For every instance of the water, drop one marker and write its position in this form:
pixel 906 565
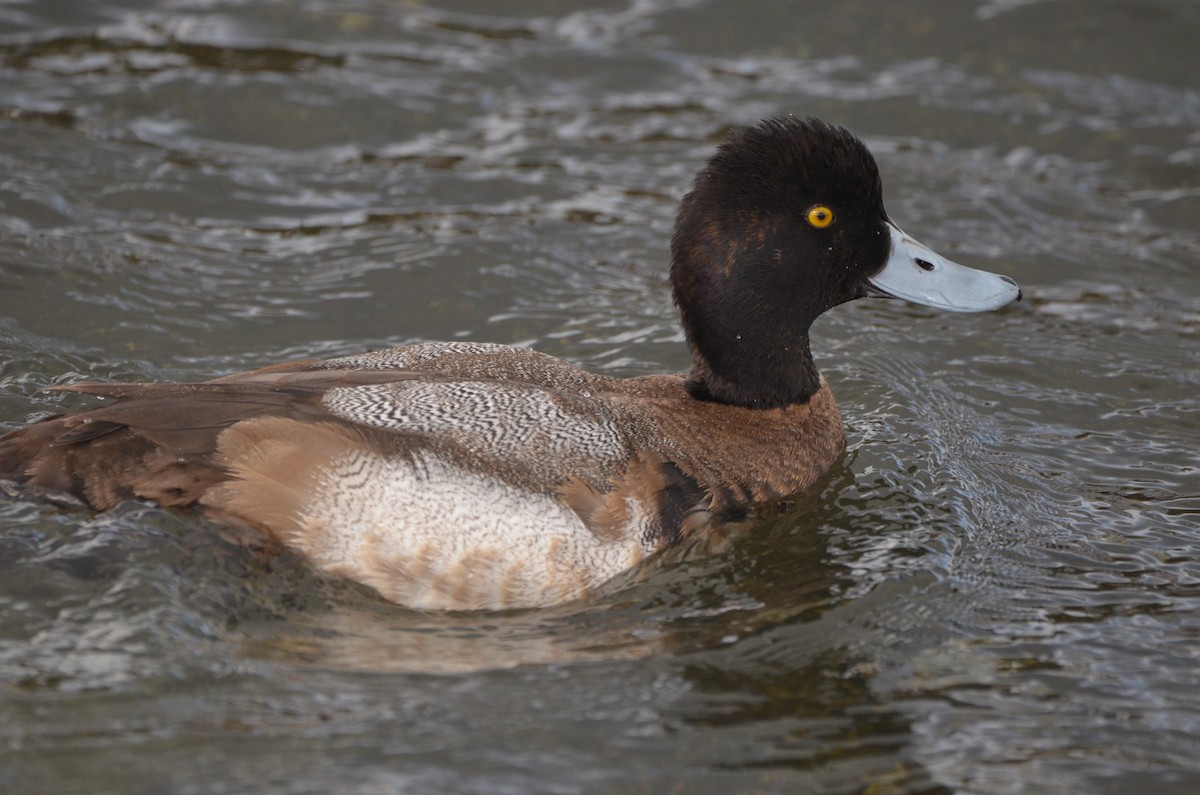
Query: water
pixel 998 590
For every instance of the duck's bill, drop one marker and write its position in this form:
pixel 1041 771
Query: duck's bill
pixel 916 273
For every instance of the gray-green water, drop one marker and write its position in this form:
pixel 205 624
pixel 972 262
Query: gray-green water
pixel 997 591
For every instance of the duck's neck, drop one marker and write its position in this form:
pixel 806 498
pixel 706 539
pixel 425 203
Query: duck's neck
pixel 767 375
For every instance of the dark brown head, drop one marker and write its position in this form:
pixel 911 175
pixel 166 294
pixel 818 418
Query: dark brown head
pixel 785 222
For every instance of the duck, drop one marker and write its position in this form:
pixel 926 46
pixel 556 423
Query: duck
pixel 478 476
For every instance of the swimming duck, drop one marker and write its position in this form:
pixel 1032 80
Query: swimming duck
pixel 456 475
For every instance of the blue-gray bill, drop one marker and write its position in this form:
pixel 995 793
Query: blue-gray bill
pixel 916 273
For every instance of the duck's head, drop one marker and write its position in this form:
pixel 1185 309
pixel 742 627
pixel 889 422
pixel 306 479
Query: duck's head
pixel 784 222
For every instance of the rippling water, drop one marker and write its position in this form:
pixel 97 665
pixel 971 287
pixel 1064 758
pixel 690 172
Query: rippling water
pixel 996 591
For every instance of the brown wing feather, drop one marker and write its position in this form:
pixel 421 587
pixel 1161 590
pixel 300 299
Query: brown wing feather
pixel 158 441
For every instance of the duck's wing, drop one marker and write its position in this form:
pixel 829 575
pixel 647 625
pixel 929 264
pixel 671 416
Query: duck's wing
pixel 157 441
pixel 169 432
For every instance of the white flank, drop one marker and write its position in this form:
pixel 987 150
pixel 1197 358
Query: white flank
pixel 435 536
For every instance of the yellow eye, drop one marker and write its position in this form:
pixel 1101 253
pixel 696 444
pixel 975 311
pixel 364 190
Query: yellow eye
pixel 820 216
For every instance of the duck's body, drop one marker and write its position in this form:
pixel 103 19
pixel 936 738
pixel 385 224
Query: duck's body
pixel 462 475
pixel 445 475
